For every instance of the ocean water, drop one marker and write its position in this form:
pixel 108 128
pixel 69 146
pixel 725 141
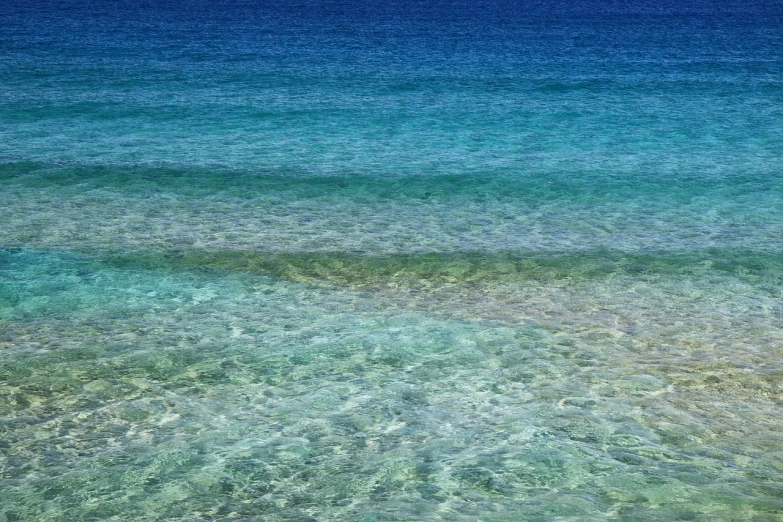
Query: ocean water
pixel 423 261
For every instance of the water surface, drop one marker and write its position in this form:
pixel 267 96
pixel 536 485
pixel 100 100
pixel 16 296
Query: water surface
pixel 486 261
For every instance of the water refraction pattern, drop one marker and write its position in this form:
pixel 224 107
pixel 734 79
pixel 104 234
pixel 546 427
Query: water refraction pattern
pixel 428 261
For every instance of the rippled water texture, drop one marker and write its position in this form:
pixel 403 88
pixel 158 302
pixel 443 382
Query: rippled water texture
pixel 430 261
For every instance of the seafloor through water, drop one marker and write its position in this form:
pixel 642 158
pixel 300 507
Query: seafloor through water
pixel 413 262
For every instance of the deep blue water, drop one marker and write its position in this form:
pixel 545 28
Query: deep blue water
pixel 420 261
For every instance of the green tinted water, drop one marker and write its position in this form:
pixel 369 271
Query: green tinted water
pixel 402 261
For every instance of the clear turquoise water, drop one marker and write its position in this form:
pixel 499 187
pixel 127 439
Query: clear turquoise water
pixel 414 262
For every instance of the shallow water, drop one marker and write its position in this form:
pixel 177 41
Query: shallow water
pixel 184 392
pixel 419 262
